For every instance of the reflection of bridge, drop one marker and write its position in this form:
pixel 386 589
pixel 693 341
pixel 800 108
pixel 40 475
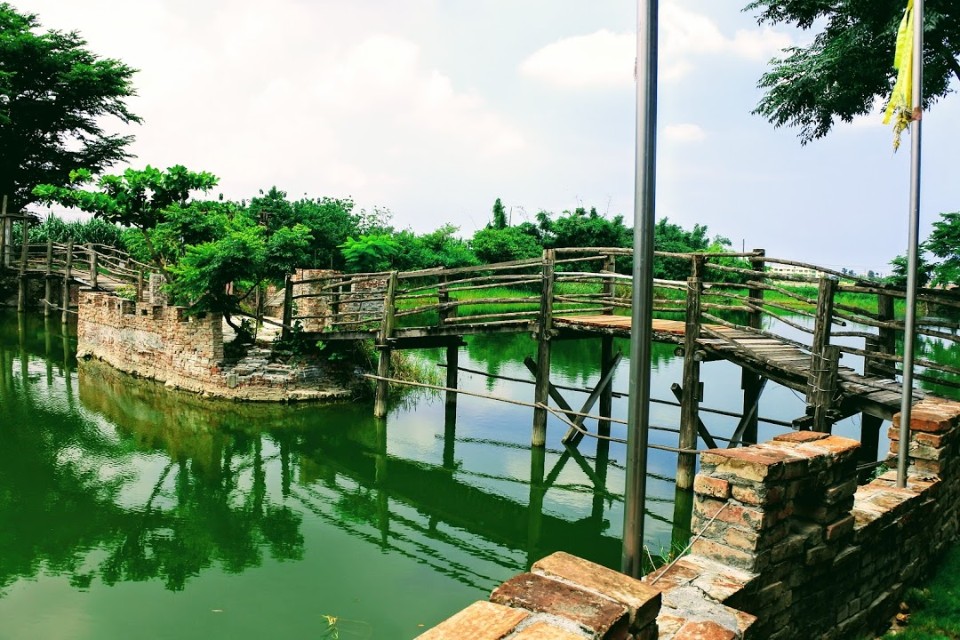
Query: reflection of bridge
pixel 788 328
pixel 738 307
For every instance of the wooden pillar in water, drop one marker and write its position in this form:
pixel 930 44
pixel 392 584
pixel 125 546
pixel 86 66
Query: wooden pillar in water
pixel 542 388
pixel 24 256
pixel 383 346
pixel 65 296
pixel 48 281
pixel 750 381
pixel 606 350
pixel 884 344
pixel 6 235
pixel 690 404
pixel 453 349
pixel 538 489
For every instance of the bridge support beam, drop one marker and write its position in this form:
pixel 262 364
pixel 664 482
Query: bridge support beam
pixel 65 292
pixel 542 389
pixel 383 346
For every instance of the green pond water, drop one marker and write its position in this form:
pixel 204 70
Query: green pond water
pixel 131 511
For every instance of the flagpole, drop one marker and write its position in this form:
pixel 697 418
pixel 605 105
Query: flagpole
pixel 638 418
pixel 909 329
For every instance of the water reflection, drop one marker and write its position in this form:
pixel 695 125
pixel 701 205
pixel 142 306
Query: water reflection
pixel 106 480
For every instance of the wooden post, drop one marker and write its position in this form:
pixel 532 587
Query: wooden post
pixel 48 281
pixel 383 345
pixel 824 358
pixel 885 343
pixel 65 296
pixel 690 405
pixel 93 266
pixel 824 387
pixel 5 233
pixel 24 256
pixel 750 382
pixel 606 349
pixel 287 307
pixel 453 350
pixel 542 388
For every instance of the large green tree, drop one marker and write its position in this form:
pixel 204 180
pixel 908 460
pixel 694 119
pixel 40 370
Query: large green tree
pixel 849 63
pixel 55 98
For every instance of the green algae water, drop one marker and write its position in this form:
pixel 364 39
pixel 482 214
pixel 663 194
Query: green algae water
pixel 128 510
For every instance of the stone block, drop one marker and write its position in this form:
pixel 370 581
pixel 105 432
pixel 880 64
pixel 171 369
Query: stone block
pixel 930 418
pixel 838 529
pixel 746 463
pixel 712 487
pixel 800 436
pixel 542 630
pixel 641 600
pixel 758 494
pixel 479 621
pixel 599 617
pixel 704 630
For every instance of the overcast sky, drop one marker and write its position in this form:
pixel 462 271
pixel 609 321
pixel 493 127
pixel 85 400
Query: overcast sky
pixel 434 108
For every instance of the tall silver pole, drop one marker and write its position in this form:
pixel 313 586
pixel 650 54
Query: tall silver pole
pixel 640 343
pixel 909 329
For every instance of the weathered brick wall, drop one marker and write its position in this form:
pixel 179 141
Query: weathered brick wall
pixel 789 537
pixel 149 340
pixel 186 352
pixel 314 311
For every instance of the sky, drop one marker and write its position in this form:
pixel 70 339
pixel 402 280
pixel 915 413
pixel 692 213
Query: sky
pixel 432 109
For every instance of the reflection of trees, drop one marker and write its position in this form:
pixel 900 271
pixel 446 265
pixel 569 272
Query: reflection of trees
pixel 65 482
pixel 575 359
pixel 941 352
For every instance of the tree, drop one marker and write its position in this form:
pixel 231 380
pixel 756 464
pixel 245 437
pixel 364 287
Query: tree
pixel 138 198
pixel 510 243
pixel 201 246
pixel 54 98
pixel 944 243
pixel 499 216
pixel 849 63
pixel 898 272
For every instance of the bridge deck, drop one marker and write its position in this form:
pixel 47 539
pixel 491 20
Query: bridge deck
pixel 775 359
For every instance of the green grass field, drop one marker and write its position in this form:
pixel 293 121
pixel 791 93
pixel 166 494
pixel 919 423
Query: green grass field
pixel 935 609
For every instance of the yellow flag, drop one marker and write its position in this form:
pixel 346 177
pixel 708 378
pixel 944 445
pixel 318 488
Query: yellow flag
pixel 899 108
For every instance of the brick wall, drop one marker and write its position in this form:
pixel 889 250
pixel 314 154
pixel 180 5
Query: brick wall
pixel 790 538
pixel 186 352
pixel 789 547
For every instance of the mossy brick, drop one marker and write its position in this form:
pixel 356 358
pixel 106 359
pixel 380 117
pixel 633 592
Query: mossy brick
pixel 751 561
pixel 740 516
pixel 641 600
pixel 838 529
pixel 758 494
pixel 747 463
pixel 712 487
pixel 479 621
pixel 599 617
pixel 920 451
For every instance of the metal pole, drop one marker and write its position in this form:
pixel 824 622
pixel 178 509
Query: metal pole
pixel 638 417
pixel 909 329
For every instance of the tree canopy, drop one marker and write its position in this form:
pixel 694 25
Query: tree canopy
pixel 55 97
pixel 849 63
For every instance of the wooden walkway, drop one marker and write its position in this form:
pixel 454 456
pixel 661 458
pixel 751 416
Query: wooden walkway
pixel 780 361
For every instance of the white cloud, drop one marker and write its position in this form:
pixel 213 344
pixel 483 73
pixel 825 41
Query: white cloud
pixel 684 132
pixel 605 59
pixel 600 60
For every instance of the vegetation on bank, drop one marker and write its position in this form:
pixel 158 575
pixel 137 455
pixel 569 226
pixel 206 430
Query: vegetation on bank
pixel 934 610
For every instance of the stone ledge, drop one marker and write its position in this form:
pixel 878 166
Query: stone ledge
pixel 480 621
pixel 600 617
pixel 641 601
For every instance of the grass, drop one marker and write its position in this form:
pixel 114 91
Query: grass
pixel 935 609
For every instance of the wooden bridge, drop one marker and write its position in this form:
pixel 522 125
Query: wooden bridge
pixel 779 320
